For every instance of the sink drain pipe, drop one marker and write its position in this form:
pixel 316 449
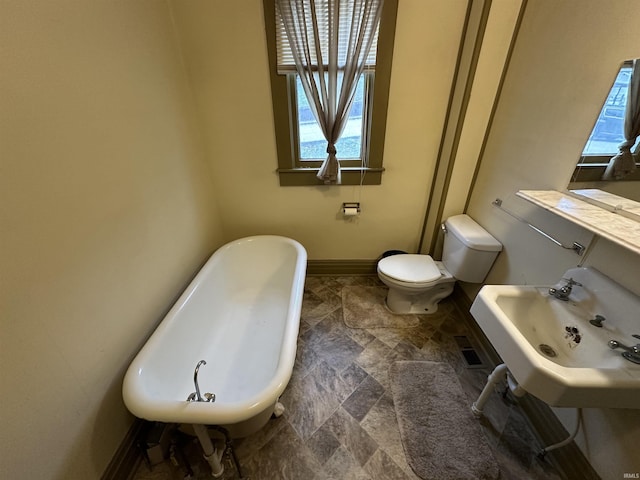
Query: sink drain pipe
pixel 498 376
pixel 566 441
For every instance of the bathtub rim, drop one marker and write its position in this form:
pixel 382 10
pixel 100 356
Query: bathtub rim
pixel 140 404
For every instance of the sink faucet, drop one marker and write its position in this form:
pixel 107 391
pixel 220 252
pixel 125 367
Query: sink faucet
pixel 630 353
pixel 195 396
pixel 563 292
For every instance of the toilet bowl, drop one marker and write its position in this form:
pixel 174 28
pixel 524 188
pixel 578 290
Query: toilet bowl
pixel 417 283
pixel 421 290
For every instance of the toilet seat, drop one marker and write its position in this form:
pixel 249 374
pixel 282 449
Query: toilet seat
pixel 410 269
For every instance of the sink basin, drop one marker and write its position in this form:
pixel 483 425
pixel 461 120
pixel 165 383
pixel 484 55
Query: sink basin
pixel 551 348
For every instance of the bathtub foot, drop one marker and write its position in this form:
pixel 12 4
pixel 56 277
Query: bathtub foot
pixel 211 454
pixel 278 410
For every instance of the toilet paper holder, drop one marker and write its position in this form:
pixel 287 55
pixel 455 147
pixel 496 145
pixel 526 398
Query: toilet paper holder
pixel 350 208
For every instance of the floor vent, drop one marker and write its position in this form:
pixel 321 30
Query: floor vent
pixel 468 352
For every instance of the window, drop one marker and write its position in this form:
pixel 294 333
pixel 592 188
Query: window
pixel 300 144
pixel 607 133
pixel 311 144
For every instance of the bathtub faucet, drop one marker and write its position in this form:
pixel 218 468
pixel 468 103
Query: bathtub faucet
pixel 195 396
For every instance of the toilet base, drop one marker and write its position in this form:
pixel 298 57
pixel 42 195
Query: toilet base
pixel 426 303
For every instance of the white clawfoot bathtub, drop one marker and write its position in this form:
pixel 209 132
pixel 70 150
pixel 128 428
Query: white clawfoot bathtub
pixel 241 315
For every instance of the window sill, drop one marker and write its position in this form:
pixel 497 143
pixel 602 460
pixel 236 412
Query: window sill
pixel 592 172
pixel 291 177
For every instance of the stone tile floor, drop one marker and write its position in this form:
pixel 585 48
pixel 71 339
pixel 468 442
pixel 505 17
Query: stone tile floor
pixel 340 422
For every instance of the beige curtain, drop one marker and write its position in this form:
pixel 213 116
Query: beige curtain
pixel 330 41
pixel 623 163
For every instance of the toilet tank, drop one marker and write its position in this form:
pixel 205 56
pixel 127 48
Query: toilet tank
pixel 469 250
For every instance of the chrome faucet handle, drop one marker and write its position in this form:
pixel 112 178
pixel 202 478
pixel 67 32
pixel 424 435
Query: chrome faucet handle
pixel 630 353
pixel 563 292
pixel 191 397
pixel 613 344
pixel 636 347
pixel 571 282
pixel 210 397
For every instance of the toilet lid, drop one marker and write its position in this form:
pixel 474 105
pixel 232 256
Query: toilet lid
pixel 410 268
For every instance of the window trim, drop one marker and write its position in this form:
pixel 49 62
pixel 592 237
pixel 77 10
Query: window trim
pixel 590 168
pixel 593 169
pixel 284 112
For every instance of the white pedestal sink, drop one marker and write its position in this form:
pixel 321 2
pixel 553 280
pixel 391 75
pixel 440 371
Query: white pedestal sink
pixel 551 348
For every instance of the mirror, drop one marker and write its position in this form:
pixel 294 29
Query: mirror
pixel 608 133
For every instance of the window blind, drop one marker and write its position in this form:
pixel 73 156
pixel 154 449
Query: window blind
pixel 324 12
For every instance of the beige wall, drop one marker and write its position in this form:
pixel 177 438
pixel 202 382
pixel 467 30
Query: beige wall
pixel 106 210
pixel 107 206
pixel 496 41
pixel 566 56
pixel 234 103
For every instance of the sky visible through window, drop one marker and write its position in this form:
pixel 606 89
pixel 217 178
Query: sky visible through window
pixel 313 145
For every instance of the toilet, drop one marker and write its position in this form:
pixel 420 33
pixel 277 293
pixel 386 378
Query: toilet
pixel 417 283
